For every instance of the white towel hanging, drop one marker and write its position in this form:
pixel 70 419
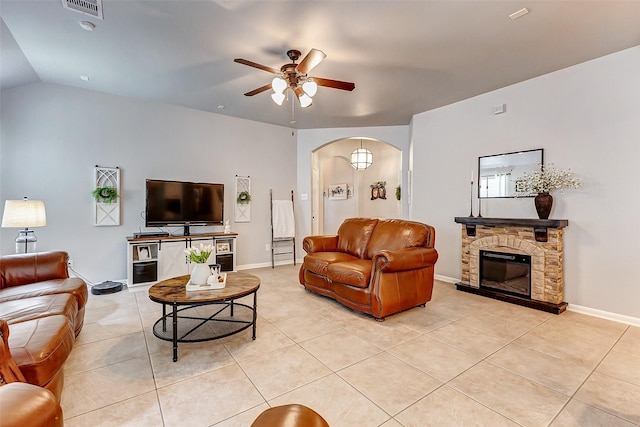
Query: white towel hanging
pixel 283 221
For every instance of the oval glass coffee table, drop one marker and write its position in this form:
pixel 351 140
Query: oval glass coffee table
pixel 196 316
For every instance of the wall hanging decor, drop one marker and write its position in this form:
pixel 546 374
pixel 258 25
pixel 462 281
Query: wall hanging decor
pixel 379 190
pixel 338 191
pixel 107 196
pixel 243 199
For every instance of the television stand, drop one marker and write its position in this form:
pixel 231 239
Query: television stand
pixel 150 259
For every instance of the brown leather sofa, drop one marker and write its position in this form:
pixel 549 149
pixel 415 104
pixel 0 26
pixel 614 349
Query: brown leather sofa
pixel 379 267
pixel 41 313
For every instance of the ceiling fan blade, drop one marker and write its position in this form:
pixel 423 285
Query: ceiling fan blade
pixel 259 90
pixel 256 65
pixel 313 58
pixel 336 84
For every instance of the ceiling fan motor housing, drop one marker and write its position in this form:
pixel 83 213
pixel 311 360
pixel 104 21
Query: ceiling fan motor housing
pixel 294 54
pixel 290 74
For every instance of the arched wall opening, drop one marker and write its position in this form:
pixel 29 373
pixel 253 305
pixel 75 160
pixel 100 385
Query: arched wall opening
pixel 339 191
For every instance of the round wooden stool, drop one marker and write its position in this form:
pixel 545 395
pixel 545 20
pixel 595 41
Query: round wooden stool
pixel 289 416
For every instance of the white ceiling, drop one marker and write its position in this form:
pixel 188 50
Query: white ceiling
pixel 405 57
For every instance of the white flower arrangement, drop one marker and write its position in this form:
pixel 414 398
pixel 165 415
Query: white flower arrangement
pixel 546 179
pixel 199 255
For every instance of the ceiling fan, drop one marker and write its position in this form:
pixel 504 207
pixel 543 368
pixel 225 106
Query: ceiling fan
pixel 295 76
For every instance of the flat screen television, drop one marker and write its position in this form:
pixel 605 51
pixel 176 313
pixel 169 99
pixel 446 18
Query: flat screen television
pixel 178 203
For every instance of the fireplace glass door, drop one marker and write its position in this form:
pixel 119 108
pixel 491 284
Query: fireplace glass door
pixel 507 273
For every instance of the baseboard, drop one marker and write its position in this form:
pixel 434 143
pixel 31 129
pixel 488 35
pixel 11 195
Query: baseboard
pixel 266 264
pixel 634 321
pixel 446 279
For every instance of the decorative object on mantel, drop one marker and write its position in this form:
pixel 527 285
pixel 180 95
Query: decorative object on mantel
pixel 243 199
pixel 379 190
pixel 398 193
pixel 107 196
pixel 471 197
pixel 543 181
pixel 199 255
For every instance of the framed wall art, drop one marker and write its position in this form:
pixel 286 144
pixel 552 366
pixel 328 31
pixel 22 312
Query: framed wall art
pixel 338 192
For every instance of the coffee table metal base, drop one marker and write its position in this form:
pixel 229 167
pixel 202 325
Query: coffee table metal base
pixel 204 322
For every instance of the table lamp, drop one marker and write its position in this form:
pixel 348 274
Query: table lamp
pixel 24 213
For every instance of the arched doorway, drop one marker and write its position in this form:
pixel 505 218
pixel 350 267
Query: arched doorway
pixel 339 191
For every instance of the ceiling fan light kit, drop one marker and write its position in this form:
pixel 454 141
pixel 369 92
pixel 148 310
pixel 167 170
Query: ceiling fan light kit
pixel 294 76
pixel 278 97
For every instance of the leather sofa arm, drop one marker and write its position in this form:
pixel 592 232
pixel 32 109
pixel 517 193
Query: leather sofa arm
pixel 23 269
pixel 9 371
pixel 24 404
pixel 313 244
pixel 404 259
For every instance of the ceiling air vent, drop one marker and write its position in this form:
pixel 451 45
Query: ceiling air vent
pixel 88 7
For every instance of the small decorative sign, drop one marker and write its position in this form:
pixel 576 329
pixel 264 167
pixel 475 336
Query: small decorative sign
pixel 338 191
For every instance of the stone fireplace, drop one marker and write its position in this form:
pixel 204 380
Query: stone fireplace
pixel 538 241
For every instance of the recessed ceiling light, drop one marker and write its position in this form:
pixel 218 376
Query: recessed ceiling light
pixel 86 25
pixel 518 14
pixel 220 107
pixel 84 78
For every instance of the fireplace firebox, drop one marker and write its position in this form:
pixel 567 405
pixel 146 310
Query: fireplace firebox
pixel 506 272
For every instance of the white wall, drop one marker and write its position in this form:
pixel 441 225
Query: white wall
pixel 587 118
pixel 53 136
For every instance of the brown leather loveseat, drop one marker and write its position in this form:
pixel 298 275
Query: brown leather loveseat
pixel 41 313
pixel 376 266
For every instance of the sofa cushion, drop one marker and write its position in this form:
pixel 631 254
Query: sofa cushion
pixel 22 269
pixel 317 262
pixel 394 234
pixel 354 234
pixel 72 285
pixel 19 310
pixel 355 273
pixel 41 346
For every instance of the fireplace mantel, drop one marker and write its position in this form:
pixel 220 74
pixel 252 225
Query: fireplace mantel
pixel 515 222
pixel 540 226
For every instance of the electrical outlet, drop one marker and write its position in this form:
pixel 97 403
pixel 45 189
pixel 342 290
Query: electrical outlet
pixel 267 247
pixel 70 263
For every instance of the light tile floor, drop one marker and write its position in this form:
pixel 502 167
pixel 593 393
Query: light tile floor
pixel 461 360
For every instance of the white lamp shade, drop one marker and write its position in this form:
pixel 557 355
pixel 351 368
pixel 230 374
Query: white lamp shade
pixel 278 85
pixel 278 98
pixel 361 158
pixel 310 87
pixel 24 214
pixel 305 100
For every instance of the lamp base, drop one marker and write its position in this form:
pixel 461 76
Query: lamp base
pixel 26 241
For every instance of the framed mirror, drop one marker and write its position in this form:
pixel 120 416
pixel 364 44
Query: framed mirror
pixel 498 174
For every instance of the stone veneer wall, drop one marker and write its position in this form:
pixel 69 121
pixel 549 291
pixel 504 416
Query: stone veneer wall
pixel 547 278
